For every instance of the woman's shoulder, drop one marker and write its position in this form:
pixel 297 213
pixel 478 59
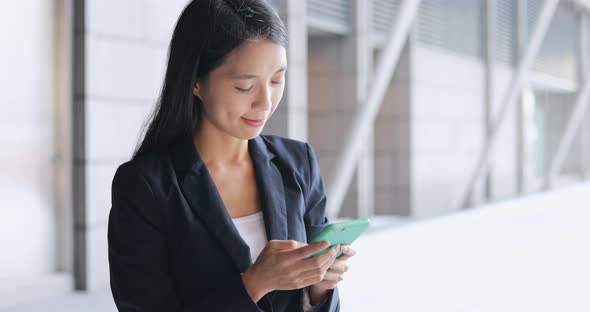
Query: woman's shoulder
pixel 149 166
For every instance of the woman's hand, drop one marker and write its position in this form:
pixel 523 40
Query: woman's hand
pixel 333 276
pixel 282 265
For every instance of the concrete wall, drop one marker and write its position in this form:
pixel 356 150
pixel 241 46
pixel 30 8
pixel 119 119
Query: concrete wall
pixel 447 126
pixel 448 92
pixel 428 132
pixel 557 109
pixel 331 87
pixel 125 57
pixel 392 130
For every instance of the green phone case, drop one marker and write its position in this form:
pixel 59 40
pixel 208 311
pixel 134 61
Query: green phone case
pixel 341 233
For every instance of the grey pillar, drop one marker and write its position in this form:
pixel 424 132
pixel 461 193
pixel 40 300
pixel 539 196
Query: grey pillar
pixel 63 134
pixel 365 171
pixel 490 47
pixel 584 61
pixel 290 118
pixel 79 168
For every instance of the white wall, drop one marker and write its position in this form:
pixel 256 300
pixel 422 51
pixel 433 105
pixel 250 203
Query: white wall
pixel 448 107
pixel 27 214
pixel 126 51
pixel 448 93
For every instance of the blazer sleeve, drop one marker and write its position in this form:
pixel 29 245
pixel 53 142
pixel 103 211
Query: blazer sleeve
pixel 315 220
pixel 138 255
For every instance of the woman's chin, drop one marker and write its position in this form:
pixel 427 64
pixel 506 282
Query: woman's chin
pixel 248 134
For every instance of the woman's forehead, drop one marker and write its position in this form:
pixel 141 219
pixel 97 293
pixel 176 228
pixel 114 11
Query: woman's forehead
pixel 255 57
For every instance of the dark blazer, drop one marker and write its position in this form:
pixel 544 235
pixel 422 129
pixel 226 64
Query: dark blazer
pixel 173 245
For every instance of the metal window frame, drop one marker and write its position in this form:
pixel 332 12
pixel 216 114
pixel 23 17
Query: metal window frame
pixel 509 98
pixel 574 124
pixel 361 10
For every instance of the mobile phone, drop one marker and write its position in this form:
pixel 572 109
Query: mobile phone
pixel 340 233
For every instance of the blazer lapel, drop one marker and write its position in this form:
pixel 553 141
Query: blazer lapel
pixel 205 201
pixel 270 190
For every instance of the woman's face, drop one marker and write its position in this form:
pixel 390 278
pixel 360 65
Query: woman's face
pixel 240 95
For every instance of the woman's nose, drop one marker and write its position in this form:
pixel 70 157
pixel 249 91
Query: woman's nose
pixel 264 99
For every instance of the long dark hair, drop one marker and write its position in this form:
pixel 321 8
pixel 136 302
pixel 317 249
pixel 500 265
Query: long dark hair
pixel 205 33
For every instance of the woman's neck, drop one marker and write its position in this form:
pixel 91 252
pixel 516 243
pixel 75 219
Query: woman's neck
pixel 217 148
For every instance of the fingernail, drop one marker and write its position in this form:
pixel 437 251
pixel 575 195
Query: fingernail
pixel 344 248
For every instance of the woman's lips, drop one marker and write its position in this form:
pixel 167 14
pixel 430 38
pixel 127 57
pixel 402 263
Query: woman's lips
pixel 253 122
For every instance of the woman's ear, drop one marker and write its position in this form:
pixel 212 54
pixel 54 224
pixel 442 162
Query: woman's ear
pixel 197 90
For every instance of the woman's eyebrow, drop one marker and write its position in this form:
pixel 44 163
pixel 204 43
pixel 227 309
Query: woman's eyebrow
pixel 252 76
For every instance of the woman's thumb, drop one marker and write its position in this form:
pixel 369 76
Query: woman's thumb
pixel 287 244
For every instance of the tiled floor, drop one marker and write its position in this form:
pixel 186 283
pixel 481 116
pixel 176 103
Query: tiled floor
pixel 530 254
pixel 98 301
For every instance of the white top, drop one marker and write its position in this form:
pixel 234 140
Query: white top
pixel 253 232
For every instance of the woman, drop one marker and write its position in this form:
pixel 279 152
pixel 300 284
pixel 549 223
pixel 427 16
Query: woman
pixel 209 215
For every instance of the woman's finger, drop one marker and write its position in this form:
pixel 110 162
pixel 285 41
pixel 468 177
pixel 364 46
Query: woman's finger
pixel 347 252
pixel 340 269
pixel 330 277
pixel 307 250
pixel 326 284
pixel 324 260
pixel 333 275
pixel 316 270
pixel 339 265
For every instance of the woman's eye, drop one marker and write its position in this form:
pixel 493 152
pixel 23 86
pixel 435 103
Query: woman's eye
pixel 244 90
pixel 277 82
